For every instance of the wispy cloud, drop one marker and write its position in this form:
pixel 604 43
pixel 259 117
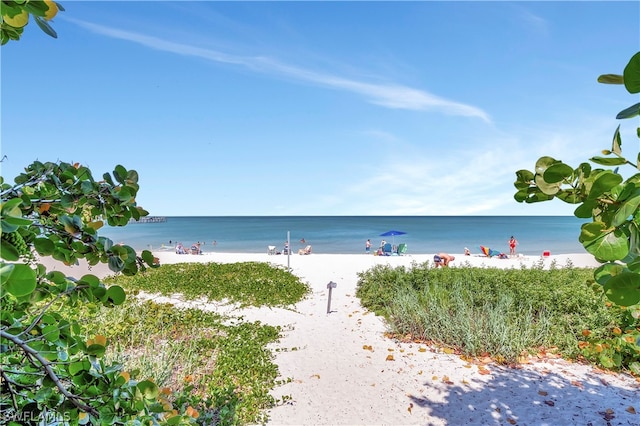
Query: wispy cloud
pixel 393 96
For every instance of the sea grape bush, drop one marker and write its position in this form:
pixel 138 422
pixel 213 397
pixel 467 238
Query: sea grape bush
pixel 49 366
pixel 613 235
pixel 16 14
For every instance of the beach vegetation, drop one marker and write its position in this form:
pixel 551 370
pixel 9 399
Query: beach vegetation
pixel 243 283
pixel 17 13
pixel 51 366
pixel 506 314
pixel 602 195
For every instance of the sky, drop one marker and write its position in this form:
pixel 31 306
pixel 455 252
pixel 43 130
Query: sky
pixel 320 108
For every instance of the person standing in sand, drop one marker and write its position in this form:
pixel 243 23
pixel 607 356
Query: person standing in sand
pixel 512 246
pixel 367 246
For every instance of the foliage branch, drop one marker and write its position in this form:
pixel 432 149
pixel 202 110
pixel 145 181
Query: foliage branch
pixel 49 369
pixel 613 235
pixel 16 14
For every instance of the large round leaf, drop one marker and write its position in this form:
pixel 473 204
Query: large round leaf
pixel 543 163
pixel 623 289
pixel 557 173
pixel 604 244
pixel 626 210
pixel 148 389
pixel 604 273
pixel 116 294
pixel 18 279
pixel 603 183
pixel 546 187
pixel 631 74
pixel 44 246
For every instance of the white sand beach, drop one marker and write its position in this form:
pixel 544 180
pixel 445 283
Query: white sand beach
pixel 345 371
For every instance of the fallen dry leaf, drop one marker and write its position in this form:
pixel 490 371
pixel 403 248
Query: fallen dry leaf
pixel 512 421
pixel 317 376
pixel 631 410
pixel 422 349
pixel 607 415
pixel 410 407
pixel 367 348
pixel 550 403
pixel 390 358
pixel 543 393
pixel 434 378
pixel 577 384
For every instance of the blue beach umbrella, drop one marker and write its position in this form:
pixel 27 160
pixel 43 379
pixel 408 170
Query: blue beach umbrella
pixel 392 234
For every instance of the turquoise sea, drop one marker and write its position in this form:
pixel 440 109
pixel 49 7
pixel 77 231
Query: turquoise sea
pixel 347 234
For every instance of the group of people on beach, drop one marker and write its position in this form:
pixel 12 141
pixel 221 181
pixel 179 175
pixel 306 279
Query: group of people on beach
pixel 195 249
pixel 442 259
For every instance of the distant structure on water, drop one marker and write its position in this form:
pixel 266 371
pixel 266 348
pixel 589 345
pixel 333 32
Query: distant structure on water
pixel 149 219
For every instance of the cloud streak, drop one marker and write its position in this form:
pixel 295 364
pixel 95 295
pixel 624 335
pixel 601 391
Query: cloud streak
pixel 392 96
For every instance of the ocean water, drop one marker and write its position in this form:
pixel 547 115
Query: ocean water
pixel 347 234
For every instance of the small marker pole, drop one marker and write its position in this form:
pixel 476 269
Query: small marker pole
pixel 330 286
pixel 288 249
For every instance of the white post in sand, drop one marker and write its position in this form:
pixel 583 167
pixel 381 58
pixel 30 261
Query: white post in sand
pixel 288 250
pixel 330 286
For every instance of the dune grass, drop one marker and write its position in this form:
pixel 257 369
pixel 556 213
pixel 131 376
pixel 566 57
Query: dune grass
pixel 503 313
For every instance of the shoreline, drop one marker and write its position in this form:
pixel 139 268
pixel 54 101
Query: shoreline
pixel 341 372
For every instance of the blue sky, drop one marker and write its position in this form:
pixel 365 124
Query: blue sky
pixel 320 108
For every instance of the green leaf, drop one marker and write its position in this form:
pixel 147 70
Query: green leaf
pixel 631 74
pixel 604 273
pixel 116 264
pixel 96 350
pixel 616 144
pixel 623 289
pixel 44 246
pixel 546 187
pixel 557 173
pixel 630 112
pixel 18 279
pixel 608 161
pixel 603 183
pixel 148 389
pixel 9 252
pixel 51 333
pixel 604 243
pixel 626 210
pixel 44 26
pixel 116 295
pixel 611 79
pixel 634 241
pixel 79 366
pixel 120 173
pixel 584 210
pixel 91 280
pixel 570 196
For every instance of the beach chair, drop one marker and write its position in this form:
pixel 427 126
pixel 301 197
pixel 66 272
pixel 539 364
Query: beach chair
pixel 387 249
pixel 306 250
pixel 271 250
pixel 402 249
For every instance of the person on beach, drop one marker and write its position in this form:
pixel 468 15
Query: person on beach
pixel 467 252
pixel 443 259
pixel 285 250
pixel 512 246
pixel 367 246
